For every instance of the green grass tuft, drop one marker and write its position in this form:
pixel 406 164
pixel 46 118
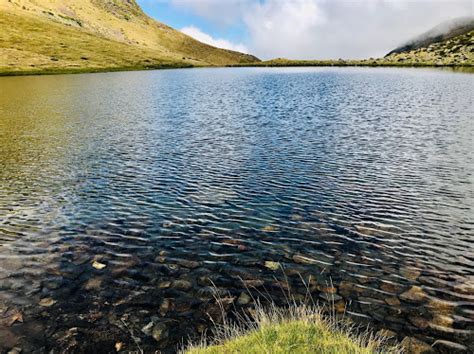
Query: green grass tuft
pixel 293 329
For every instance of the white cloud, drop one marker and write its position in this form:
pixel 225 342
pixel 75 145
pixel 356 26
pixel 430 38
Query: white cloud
pixel 201 36
pixel 226 12
pixel 307 29
pixel 319 29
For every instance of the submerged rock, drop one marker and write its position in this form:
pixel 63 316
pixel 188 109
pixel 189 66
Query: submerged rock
pixel 330 297
pixel 97 265
pixel 392 301
pixel 93 284
pixel 340 307
pixel 244 299
pixel 443 321
pixel 164 284
pixel 410 273
pixel 272 265
pixel 466 287
pixel 188 264
pixel 47 302
pixel 437 306
pixel 253 283
pixel 270 228
pixel 415 346
pixel 414 294
pixel 160 332
pixel 386 333
pixel 181 284
pixel 148 328
pixel 419 322
pixel 347 288
pixel 390 287
pixel 165 306
pixel 303 259
pixel 296 217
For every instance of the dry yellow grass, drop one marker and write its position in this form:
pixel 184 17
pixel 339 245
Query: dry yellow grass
pixel 87 35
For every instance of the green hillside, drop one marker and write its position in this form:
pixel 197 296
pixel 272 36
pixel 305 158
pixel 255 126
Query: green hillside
pixel 455 51
pixel 41 36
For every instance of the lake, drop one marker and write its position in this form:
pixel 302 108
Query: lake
pixel 133 198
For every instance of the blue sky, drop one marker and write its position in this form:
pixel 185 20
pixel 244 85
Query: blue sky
pixel 178 16
pixel 306 29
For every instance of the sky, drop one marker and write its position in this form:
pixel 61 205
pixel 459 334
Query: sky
pixel 306 29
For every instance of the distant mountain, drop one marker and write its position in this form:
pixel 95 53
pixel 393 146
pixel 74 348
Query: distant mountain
pixel 440 33
pixel 87 35
pixel 451 43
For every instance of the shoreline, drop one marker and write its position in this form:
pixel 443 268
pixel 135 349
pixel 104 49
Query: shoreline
pixel 72 71
pixel 468 68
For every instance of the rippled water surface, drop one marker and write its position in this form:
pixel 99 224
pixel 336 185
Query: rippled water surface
pixel 172 181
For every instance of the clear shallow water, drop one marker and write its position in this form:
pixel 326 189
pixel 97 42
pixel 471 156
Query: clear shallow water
pixel 359 176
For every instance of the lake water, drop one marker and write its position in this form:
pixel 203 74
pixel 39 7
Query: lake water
pixel 177 183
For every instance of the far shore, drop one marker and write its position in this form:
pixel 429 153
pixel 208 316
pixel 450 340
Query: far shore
pixel 466 67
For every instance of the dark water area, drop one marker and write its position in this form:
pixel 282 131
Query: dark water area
pixel 128 199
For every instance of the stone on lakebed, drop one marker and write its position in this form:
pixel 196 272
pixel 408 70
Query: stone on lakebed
pixel 415 346
pixel 414 294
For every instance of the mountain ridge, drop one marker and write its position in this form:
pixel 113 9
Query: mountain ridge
pixel 451 43
pixel 442 32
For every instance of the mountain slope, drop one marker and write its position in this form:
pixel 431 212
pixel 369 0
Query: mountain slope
pixel 440 33
pixel 451 43
pixel 88 35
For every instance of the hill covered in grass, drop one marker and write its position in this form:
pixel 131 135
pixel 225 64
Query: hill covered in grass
pixel 450 43
pixel 442 32
pixel 38 36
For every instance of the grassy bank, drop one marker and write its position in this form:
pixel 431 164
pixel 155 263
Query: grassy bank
pixel 162 66
pixel 294 329
pixel 87 70
pixel 353 63
pixel 24 71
